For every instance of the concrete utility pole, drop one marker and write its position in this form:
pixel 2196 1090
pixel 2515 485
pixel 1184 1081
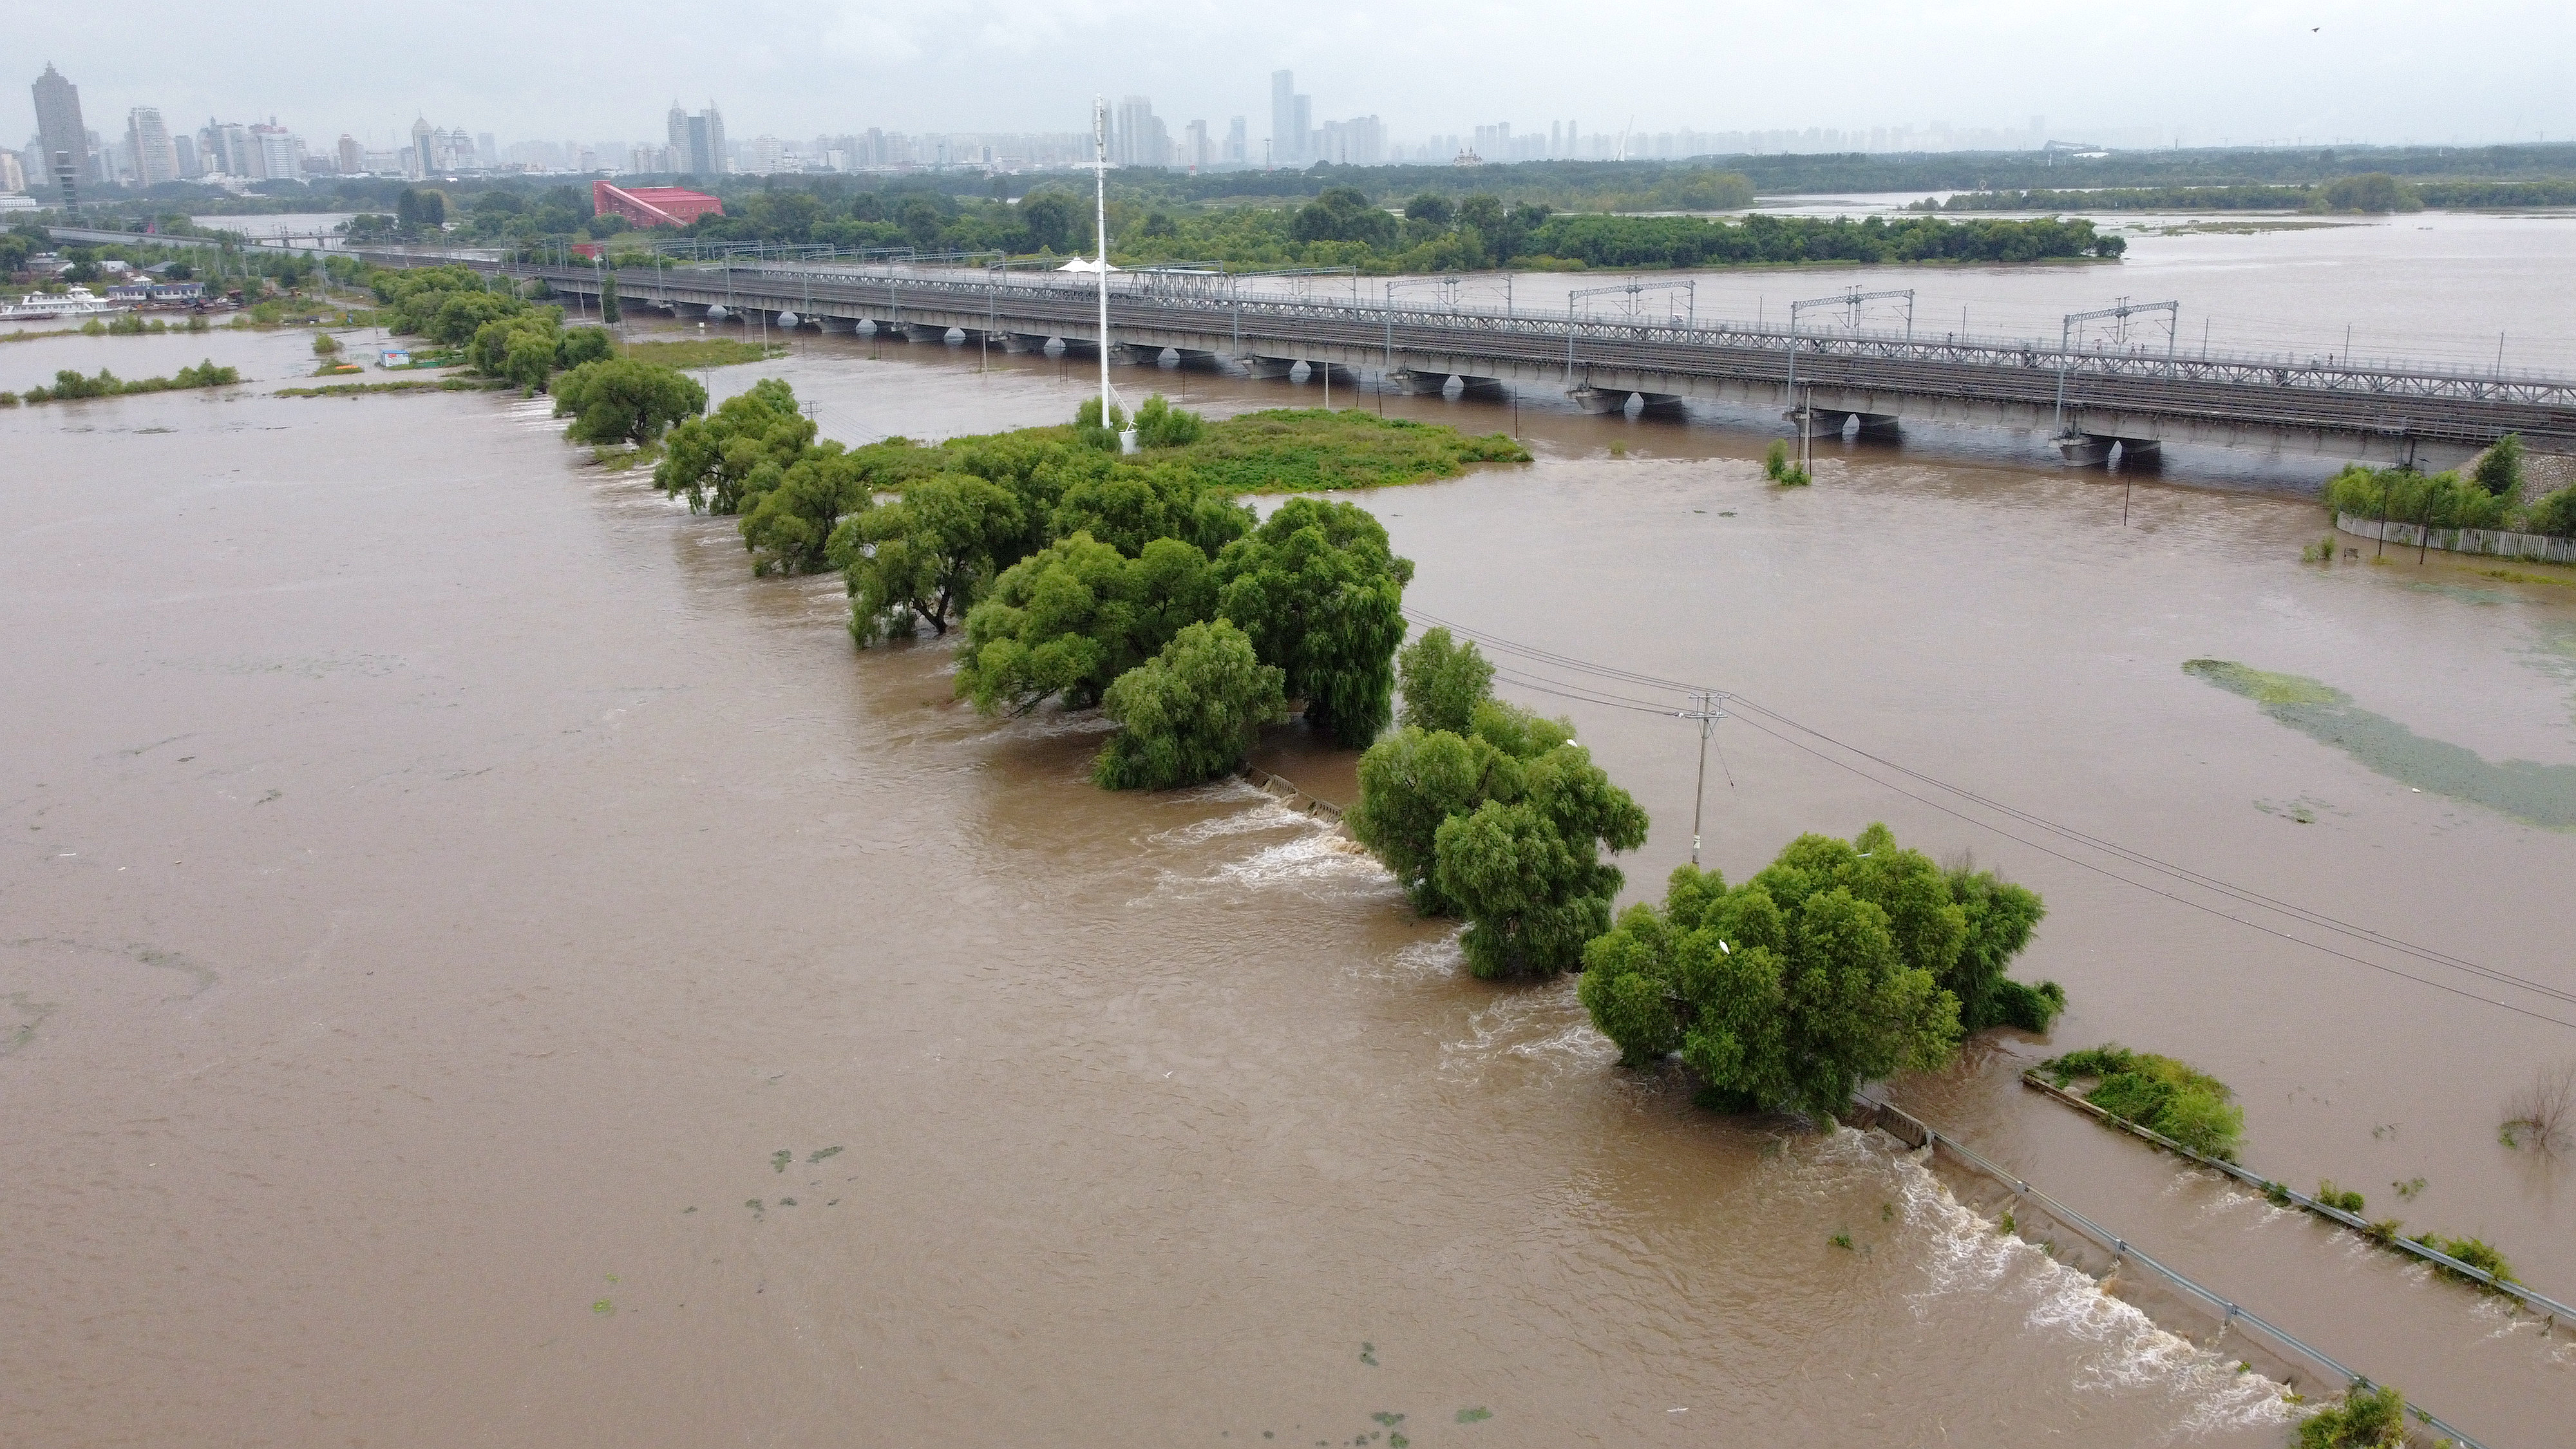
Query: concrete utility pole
pixel 1704 709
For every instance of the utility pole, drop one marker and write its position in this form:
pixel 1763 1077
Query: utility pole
pixel 1703 709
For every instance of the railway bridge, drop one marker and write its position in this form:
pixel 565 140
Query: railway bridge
pixel 2090 401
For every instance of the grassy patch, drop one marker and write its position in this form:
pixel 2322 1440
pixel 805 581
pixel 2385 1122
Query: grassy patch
pixel 2543 795
pixel 70 386
pixel 2158 1093
pixel 1302 450
pixel 408 384
pixel 700 352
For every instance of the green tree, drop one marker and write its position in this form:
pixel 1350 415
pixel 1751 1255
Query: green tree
pixel 1442 682
pixel 619 401
pixel 1322 596
pixel 1527 873
pixel 520 347
pixel 2375 191
pixel 1822 972
pixel 926 557
pixel 1343 214
pixel 1091 432
pixel 608 309
pixel 460 315
pixel 2499 469
pixel 718 458
pixel 1191 713
pixel 1161 425
pixel 1047 216
pixel 577 345
pixel 788 526
pixel 1127 508
pixel 1074 616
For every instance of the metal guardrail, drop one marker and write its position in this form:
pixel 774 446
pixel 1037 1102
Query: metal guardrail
pixel 2232 1313
pixel 2553 1310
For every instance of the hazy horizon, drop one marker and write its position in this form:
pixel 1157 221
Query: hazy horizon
pixel 2352 73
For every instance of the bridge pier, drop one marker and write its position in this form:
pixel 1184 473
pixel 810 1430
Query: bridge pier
pixel 1879 426
pixel 1016 342
pixel 1135 354
pixel 1410 383
pixel 2085 449
pixel 1269 369
pixel 836 324
pixel 1599 400
pixel 1483 387
pixel 1668 404
pixel 1198 359
pixel 925 332
pixel 1341 376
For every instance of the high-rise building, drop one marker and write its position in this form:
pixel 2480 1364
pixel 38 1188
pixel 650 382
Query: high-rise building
pixel 13 177
pixel 422 151
pixel 1140 137
pixel 184 147
pixel 277 154
pixel 155 160
pixel 1292 121
pixel 67 151
pixel 1236 142
pixel 698 142
pixel 353 157
pixel 1195 151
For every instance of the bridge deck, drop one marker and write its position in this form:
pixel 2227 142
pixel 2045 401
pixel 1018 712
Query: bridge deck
pixel 2362 411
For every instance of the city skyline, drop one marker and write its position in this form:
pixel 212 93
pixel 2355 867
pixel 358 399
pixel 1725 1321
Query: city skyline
pixel 2211 74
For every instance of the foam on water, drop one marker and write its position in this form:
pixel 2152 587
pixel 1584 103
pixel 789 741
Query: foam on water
pixel 1544 1025
pixel 2124 1349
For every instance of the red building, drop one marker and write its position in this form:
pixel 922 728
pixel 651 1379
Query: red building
pixel 652 205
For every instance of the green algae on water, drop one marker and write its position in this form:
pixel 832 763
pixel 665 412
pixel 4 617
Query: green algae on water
pixel 2542 795
pixel 1474 1416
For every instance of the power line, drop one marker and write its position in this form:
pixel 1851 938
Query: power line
pixel 2257 900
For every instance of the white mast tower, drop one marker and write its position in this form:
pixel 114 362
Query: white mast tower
pixel 1100 230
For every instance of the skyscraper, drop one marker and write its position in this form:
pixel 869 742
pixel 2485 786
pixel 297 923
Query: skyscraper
pixel 1289 119
pixel 698 142
pixel 1140 139
pixel 66 140
pixel 1237 144
pixel 155 160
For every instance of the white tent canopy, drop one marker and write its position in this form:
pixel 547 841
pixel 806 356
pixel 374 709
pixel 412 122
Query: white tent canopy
pixel 1085 264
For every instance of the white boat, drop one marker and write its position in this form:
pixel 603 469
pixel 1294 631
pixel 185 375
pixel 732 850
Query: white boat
pixel 78 302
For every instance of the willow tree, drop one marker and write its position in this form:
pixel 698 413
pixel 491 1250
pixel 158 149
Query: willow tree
pixel 1067 620
pixel 1825 970
pixel 1321 595
pixel 1191 713
pixel 711 459
pixel 925 557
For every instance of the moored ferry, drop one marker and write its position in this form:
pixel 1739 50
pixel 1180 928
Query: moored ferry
pixel 78 302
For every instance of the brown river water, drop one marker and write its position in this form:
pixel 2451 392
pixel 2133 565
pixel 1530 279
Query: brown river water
pixel 480 967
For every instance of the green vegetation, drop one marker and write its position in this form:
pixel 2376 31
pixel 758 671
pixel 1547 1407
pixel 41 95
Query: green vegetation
pixel 408 384
pixel 700 352
pixel 1191 713
pixel 2543 795
pixel 2158 1093
pixel 1838 963
pixel 70 386
pixel 1674 241
pixel 1777 467
pixel 2340 1199
pixel 2542 1115
pixel 619 400
pixel 2472 1251
pixel 1486 811
pixel 2489 497
pixel 2368 1418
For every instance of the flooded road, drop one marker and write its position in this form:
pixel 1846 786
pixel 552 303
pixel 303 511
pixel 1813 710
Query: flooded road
pixel 481 967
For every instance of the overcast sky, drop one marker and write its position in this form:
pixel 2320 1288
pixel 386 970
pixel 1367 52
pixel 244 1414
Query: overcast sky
pixel 2241 70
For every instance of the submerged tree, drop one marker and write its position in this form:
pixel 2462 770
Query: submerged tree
pixel 788 525
pixel 1825 970
pixel 1071 618
pixel 1322 596
pixel 1191 713
pixel 1442 682
pixel 712 459
pixel 620 401
pixel 925 557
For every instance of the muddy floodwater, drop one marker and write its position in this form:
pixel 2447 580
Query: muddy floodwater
pixel 479 967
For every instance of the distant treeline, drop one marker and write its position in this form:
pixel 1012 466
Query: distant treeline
pixel 1683 241
pixel 2373 193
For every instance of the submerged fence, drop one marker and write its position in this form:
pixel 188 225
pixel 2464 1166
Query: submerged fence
pixel 2295 1353
pixel 2549 1308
